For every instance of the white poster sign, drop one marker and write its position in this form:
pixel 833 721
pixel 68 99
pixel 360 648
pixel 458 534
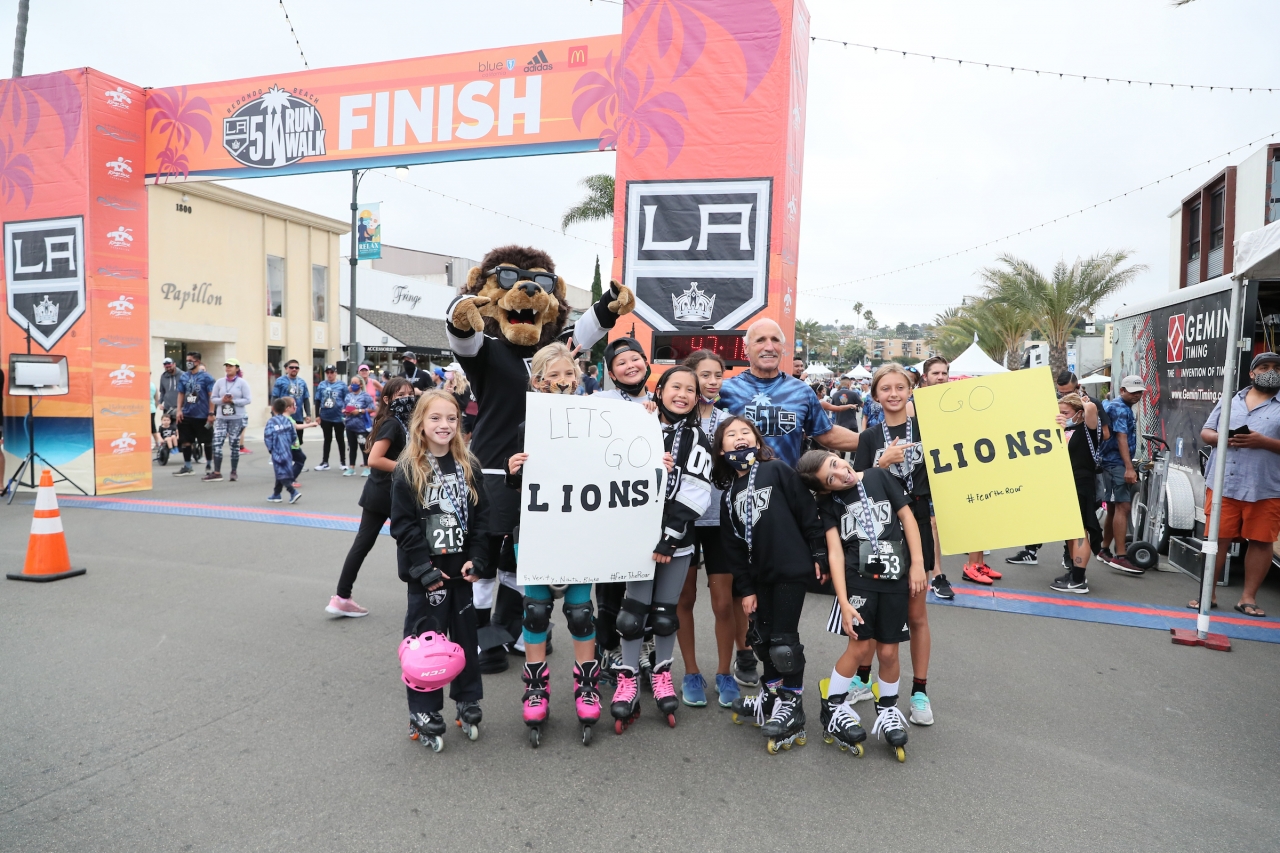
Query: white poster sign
pixel 591 502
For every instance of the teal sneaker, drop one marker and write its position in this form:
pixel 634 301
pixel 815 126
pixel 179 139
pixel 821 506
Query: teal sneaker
pixel 921 710
pixel 693 691
pixel 727 687
pixel 860 691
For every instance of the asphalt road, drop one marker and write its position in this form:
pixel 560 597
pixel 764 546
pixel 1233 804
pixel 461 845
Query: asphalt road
pixel 190 693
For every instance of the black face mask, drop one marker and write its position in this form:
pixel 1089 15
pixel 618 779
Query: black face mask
pixel 401 409
pixel 741 460
pixel 410 367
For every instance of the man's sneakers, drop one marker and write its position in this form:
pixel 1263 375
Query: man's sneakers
pixel 212 477
pixel 942 588
pixel 693 692
pixel 323 466
pixel 1105 556
pixel 1066 584
pixel 184 471
pixel 275 499
pixel 345 607
pixel 1122 563
pixel 295 497
pixel 921 710
pixel 981 573
pixel 1025 557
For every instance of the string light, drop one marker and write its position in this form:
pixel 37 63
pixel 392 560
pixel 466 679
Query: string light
pixel 295 35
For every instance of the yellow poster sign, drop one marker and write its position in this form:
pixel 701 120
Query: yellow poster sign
pixel 997 461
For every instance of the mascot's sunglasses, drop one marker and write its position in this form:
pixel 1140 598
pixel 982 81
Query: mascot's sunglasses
pixel 509 276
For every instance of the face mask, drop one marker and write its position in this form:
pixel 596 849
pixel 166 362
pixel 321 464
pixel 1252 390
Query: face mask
pixel 1267 380
pixel 191 365
pixel 708 401
pixel 409 366
pixel 401 409
pixel 355 389
pixel 556 388
pixel 741 460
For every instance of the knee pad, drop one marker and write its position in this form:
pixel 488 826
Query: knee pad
pixel 664 619
pixel 537 615
pixel 787 653
pixel 581 618
pixel 631 619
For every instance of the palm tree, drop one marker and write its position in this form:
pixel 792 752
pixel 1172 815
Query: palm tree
pixel 810 333
pixel 1055 304
pixel 596 206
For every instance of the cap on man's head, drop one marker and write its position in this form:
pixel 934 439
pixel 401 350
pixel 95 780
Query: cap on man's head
pixel 1133 384
pixel 231 361
pixel 1262 358
pixel 329 368
pixel 167 360
pixel 409 356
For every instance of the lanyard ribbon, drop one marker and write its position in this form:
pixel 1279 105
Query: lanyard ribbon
pixel 887 441
pixel 456 491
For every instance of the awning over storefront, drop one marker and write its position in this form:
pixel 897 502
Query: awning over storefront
pixel 423 335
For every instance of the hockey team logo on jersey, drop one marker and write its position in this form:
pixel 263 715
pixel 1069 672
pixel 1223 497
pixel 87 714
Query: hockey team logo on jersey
pixel 436 495
pixel 274 130
pixel 44 266
pixel 761 504
pixel 912 456
pixel 436 597
pixel 697 252
pixel 768 418
pixel 853 523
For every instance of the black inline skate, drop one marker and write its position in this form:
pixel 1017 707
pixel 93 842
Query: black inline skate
pixel 626 699
pixel 785 725
pixel 841 724
pixel 755 708
pixel 892 725
pixel 469 717
pixel 428 728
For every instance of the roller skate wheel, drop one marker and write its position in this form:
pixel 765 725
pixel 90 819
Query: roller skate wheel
pixel 772 747
pixel 473 732
pixel 586 735
pixel 618 727
pixel 535 737
pixel 801 741
pixel 900 753
pixel 413 733
pixel 436 743
pixel 671 720
pixel 857 750
pixel 737 721
pixel 830 739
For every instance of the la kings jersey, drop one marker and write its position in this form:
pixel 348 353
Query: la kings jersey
pixel 845 512
pixel 689 489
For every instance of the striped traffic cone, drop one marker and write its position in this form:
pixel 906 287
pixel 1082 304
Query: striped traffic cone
pixel 47 557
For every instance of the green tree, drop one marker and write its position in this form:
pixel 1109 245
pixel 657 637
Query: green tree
pixel 854 351
pixel 1055 304
pixel 596 206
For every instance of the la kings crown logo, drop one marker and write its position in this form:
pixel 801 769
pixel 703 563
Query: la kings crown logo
pixel 274 130
pixel 44 265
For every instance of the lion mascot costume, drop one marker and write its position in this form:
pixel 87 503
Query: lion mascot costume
pixel 513 304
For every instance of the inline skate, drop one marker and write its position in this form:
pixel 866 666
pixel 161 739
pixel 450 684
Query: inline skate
pixel 469 717
pixel 841 723
pixel 626 699
pixel 428 728
pixel 892 725
pixel 785 725
pixel 755 708
pixel 537 696
pixel 665 692
pixel 586 696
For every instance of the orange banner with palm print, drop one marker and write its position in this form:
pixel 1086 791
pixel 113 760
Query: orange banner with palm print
pixel 499 102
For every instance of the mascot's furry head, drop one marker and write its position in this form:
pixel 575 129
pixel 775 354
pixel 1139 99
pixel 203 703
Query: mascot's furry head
pixel 526 314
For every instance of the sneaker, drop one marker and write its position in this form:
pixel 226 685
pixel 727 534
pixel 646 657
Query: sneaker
pixel 1025 557
pixel 323 466
pixel 942 588
pixel 1065 584
pixel 366 472
pixel 296 484
pixel 295 497
pixel 974 574
pixel 275 499
pixel 728 690
pixel 247 450
pixel 184 471
pixel 921 710
pixel 860 691
pixel 345 607
pixel 744 669
pixel 1122 563
pixel 233 477
pixel 348 472
pixel 1105 556
pixel 693 692
pixel 211 477
pixel 990 572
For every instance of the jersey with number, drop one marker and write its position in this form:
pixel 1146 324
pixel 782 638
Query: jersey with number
pixel 871 448
pixel 844 512
pixel 783 408
pixel 427 526
pixel 689 489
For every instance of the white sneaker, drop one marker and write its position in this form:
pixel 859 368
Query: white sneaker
pixel 921 710
pixel 323 466
pixel 345 607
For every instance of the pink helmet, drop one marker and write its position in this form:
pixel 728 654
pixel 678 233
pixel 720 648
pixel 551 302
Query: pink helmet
pixel 429 661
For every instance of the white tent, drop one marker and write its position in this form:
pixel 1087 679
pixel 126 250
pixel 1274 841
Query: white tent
pixel 975 362
pixel 859 372
pixel 1096 379
pixel 818 369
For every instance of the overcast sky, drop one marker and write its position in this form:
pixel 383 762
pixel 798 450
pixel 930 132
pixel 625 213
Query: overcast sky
pixel 905 159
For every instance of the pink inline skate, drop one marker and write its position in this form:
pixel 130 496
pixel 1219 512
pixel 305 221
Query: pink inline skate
pixel 626 699
pixel 665 692
pixel 537 695
pixel 586 695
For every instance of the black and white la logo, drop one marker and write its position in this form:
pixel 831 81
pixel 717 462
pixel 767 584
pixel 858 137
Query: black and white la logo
pixel 697 252
pixel 853 524
pixel 912 456
pixel 761 504
pixel 44 265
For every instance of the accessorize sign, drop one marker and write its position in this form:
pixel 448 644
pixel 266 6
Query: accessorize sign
pixel 591 501
pixel 997 461
pixel 497 102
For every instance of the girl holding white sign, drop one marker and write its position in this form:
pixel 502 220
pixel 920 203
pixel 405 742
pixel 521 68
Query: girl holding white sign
pixel 552 370
pixel 437 507
pixel 688 494
pixel 774 542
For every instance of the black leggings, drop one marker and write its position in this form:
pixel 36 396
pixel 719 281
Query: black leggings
pixel 331 429
pixel 778 608
pixel 608 603
pixel 370 526
pixel 353 441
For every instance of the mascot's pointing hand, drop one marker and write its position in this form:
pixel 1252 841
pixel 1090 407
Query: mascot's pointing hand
pixel 467 315
pixel 623 300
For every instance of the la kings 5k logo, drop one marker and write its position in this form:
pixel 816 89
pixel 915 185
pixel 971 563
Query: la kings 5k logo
pixel 274 130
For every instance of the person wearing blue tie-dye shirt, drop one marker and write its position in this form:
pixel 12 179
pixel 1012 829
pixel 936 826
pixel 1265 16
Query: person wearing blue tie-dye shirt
pixel 783 408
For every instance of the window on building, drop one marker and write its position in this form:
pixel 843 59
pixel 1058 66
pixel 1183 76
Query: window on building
pixel 176 350
pixel 1193 234
pixel 1217 218
pixel 275 286
pixel 319 292
pixel 275 356
pixel 318 357
pixel 1273 186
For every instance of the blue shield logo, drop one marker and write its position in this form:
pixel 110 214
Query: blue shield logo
pixel 511 64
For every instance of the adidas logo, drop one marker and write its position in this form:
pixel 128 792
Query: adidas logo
pixel 538 63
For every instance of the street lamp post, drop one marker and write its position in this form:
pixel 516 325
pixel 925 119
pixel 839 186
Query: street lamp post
pixel 353 353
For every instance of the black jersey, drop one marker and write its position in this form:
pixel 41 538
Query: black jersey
pixel 912 470
pixel 844 512
pixel 429 529
pixel 1080 451
pixel 786 532
pixel 689 487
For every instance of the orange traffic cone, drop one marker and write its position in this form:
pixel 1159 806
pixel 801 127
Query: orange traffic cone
pixel 47 558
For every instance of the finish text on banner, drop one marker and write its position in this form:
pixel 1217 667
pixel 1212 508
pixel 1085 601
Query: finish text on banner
pixel 997 460
pixel 591 502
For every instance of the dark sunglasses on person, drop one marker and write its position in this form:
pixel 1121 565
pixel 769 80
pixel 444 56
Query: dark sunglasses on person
pixel 508 277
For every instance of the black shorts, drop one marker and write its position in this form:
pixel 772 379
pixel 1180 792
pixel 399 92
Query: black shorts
pixel 884 616
pixel 710 545
pixel 194 431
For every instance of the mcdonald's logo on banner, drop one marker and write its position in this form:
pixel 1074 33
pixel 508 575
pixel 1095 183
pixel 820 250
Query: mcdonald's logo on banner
pixel 578 56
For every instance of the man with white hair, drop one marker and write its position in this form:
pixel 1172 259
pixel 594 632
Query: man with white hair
pixel 783 408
